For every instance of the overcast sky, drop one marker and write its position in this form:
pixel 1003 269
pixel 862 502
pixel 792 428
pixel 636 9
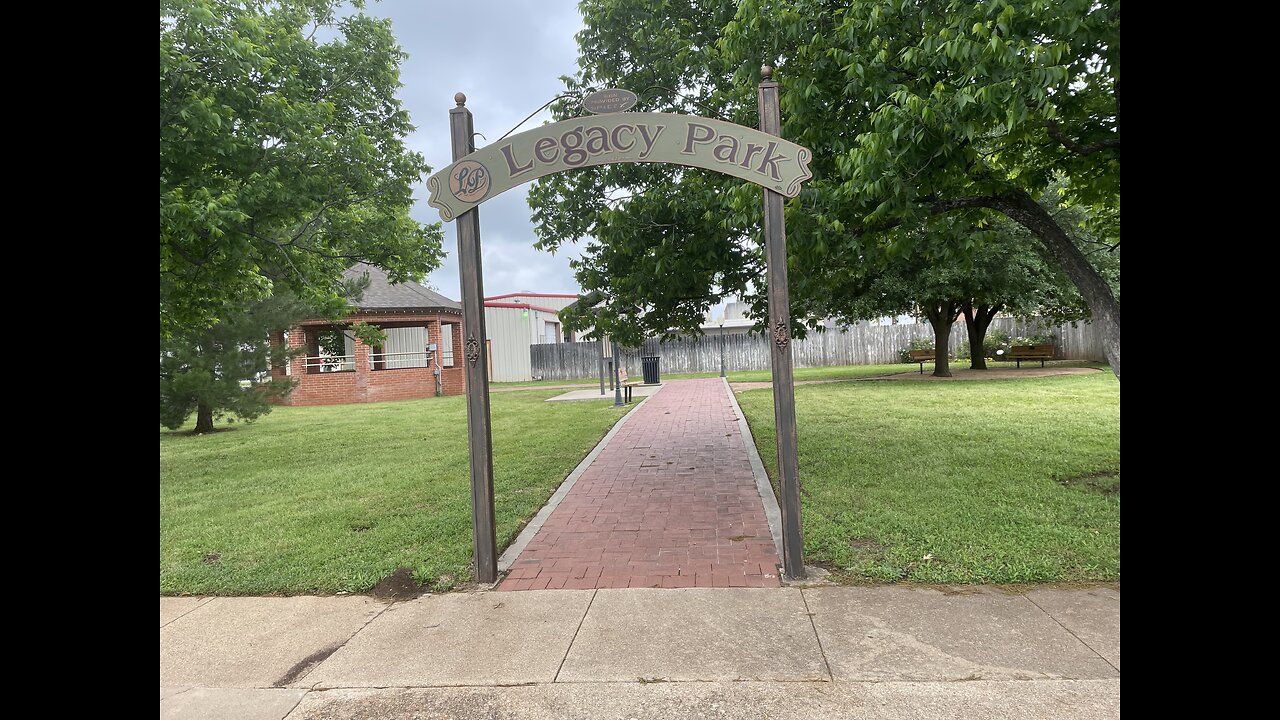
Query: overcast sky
pixel 507 56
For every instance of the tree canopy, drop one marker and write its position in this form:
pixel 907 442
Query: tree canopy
pixel 919 114
pixel 282 156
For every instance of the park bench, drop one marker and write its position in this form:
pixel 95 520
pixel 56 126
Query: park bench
pixel 623 381
pixel 922 357
pixel 1031 352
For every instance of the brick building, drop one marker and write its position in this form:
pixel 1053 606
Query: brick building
pixel 421 357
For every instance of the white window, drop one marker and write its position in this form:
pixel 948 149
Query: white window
pixel 551 333
pixel 446 344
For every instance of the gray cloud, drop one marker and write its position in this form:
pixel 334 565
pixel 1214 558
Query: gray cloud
pixel 507 56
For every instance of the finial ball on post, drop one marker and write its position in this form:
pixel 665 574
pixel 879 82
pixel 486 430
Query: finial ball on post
pixel 766 72
pixel 460 98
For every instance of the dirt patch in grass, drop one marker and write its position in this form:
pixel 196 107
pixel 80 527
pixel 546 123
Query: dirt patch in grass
pixel 1104 483
pixel 211 559
pixel 399 585
pixel 868 548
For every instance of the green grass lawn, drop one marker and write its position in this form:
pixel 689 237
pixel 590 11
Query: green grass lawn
pixel 535 384
pixel 1002 481
pixel 843 372
pixel 328 499
pixel 839 372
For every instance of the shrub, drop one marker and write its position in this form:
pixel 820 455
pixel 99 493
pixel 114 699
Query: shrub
pixel 997 344
pixel 1042 337
pixel 995 341
pixel 904 354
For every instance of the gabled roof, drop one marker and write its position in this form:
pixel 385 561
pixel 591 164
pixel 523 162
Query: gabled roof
pixel 383 296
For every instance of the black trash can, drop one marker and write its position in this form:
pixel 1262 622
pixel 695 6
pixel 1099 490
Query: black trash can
pixel 650 366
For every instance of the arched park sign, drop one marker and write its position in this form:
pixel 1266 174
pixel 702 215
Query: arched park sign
pixel 582 142
pixel 616 136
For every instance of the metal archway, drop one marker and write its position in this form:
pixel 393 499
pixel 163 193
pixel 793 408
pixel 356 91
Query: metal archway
pixel 759 156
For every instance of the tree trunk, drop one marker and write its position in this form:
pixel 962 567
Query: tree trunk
pixel 1023 208
pixel 204 418
pixel 942 315
pixel 977 320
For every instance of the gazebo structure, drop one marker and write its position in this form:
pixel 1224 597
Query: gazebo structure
pixel 421 357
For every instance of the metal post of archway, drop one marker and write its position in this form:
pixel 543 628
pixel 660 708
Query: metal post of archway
pixel 784 395
pixel 475 352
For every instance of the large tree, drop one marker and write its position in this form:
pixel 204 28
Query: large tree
pixel 954 270
pixel 282 156
pixel 912 283
pixel 915 111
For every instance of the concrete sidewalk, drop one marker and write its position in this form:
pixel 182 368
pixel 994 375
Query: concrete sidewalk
pixel 830 652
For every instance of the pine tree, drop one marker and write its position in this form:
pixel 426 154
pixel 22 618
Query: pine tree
pixel 225 370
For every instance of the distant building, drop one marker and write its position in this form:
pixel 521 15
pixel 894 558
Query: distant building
pixel 422 355
pixel 732 322
pixel 896 320
pixel 515 321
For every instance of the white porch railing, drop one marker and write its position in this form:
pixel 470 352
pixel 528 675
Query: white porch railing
pixel 399 360
pixel 330 363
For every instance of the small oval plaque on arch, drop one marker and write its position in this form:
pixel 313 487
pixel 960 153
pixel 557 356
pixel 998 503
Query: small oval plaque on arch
pixel 613 100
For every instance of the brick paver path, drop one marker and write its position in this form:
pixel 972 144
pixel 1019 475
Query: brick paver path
pixel 671 502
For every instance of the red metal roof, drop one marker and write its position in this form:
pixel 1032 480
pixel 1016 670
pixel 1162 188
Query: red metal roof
pixel 521 294
pixel 523 306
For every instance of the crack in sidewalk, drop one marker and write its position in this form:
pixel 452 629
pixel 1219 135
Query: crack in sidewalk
pixel 575 635
pixel 1072 633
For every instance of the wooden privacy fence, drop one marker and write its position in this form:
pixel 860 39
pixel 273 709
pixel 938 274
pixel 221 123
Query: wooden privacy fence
pixel 859 345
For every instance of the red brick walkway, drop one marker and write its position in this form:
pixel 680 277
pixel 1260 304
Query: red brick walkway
pixel 671 502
